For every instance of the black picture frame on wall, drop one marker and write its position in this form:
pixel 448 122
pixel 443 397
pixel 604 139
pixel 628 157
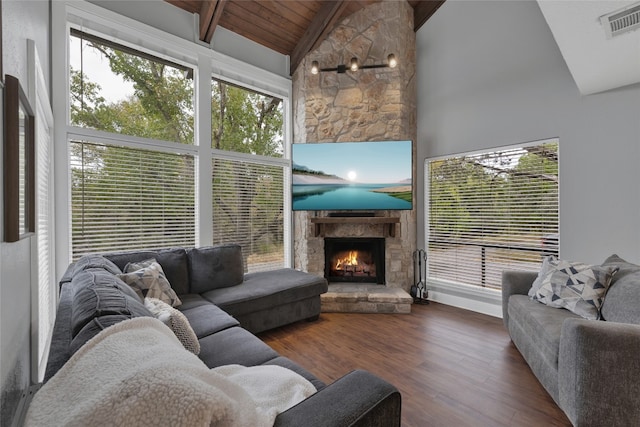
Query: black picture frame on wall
pixel 19 162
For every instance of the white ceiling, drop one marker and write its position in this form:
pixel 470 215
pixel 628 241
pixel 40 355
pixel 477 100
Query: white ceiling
pixel 596 63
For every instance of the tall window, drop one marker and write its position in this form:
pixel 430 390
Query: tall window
pixel 133 184
pixel 492 211
pixel 248 189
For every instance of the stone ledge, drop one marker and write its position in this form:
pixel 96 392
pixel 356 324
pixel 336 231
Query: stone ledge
pixel 361 298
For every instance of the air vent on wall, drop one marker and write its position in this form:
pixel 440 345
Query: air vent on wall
pixel 621 21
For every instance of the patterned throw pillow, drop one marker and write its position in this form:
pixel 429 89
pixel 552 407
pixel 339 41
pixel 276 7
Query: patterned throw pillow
pixel 544 270
pixel 578 287
pixel 176 321
pixel 148 280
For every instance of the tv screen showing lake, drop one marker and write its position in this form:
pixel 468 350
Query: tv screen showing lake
pixel 351 197
pixel 373 175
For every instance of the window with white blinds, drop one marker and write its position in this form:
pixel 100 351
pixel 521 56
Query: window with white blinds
pixel 125 198
pixel 248 173
pixel 140 172
pixel 44 301
pixel 491 211
pixel 44 224
pixel 248 205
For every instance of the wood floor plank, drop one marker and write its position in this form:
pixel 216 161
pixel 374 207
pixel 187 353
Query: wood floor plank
pixel 452 366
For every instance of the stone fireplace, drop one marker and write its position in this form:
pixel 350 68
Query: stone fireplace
pixel 367 105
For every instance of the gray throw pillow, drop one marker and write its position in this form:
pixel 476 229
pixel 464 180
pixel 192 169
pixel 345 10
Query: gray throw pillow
pixel 622 301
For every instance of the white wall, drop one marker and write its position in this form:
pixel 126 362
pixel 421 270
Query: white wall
pixel 490 74
pixel 21 20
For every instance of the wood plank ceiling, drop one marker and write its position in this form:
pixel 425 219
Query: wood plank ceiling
pixel 289 27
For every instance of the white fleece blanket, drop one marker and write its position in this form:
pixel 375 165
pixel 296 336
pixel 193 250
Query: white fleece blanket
pixel 136 373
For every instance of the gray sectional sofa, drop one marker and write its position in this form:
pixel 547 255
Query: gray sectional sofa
pixel 591 368
pixel 224 308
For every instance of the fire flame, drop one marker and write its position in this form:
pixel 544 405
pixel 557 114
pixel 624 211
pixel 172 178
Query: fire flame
pixel 351 259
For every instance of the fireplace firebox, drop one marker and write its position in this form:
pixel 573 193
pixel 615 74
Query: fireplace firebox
pixel 354 260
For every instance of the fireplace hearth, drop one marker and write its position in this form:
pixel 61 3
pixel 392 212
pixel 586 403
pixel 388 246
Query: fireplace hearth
pixel 359 260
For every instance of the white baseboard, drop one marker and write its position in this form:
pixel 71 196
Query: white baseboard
pixel 473 298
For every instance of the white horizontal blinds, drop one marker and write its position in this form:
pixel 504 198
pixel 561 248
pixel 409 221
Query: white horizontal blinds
pixel 492 211
pixel 125 198
pixel 248 203
pixel 44 220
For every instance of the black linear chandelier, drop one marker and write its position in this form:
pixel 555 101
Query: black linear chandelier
pixel 354 66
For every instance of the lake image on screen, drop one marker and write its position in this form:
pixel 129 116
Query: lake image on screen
pixel 352 176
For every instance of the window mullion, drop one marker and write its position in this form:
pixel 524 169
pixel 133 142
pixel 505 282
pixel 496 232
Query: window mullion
pixel 204 189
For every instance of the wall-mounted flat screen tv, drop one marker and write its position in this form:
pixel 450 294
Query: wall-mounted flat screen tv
pixel 352 176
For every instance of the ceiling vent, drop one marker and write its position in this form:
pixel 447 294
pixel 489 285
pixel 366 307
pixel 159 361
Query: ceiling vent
pixel 621 21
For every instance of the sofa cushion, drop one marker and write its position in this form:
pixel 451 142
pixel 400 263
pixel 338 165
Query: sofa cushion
pixel 541 324
pixel 205 318
pixel 266 290
pixel 176 321
pixel 234 346
pixel 105 295
pixel 578 287
pixel 215 267
pixel 624 267
pixel 149 281
pixel 92 276
pixel 173 261
pixel 622 301
pixel 94 261
pixel 94 327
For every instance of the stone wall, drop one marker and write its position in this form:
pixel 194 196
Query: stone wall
pixel 367 105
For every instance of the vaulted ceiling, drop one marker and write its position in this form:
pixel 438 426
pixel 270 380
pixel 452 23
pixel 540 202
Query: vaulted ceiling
pixel 289 27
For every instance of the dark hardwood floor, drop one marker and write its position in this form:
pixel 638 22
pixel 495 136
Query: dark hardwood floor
pixel 453 367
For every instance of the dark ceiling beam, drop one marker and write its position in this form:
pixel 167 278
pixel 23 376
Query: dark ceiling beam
pixel 210 13
pixel 322 23
pixel 423 11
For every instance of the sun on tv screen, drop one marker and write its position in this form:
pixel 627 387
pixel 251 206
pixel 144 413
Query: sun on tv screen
pixel 352 176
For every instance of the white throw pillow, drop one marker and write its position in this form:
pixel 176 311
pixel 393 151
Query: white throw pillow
pixel 176 321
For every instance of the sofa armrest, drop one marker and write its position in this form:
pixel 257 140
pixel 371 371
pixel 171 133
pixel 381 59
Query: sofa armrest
pixel 599 372
pixel 357 399
pixel 514 283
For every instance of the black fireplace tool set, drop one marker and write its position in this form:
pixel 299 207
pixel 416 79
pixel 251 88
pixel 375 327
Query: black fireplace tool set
pixel 419 290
